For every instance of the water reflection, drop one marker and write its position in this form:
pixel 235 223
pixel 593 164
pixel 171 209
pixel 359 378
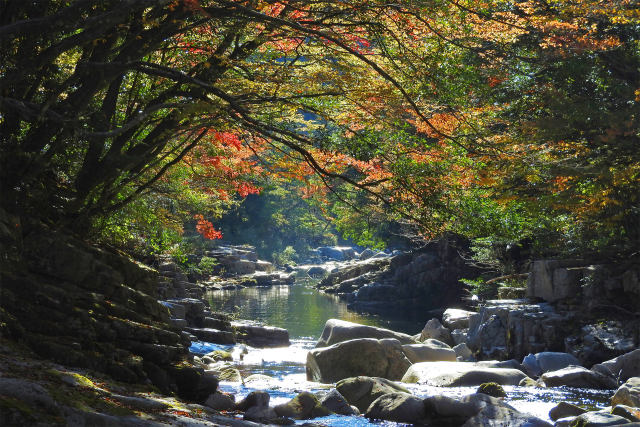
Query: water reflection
pixel 303 311
pixel 300 309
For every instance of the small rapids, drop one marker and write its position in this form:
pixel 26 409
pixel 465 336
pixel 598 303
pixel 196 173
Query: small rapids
pixel 303 311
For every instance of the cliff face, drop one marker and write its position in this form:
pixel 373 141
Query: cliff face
pixel 83 306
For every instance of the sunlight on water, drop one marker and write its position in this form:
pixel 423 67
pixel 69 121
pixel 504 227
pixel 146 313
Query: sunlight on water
pixel 303 311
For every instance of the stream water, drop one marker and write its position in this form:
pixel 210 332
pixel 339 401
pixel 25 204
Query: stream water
pixel 303 311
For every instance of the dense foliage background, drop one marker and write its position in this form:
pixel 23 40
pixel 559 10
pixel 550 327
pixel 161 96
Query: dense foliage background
pixel 132 122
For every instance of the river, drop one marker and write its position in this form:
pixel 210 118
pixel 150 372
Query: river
pixel 303 311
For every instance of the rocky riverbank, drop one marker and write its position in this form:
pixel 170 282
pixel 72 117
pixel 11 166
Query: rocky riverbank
pixel 90 336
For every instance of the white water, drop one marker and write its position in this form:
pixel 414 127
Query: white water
pixel 303 311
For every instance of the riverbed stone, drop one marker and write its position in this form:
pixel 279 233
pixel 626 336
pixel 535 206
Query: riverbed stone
pixel 496 416
pixel 255 398
pixel 336 330
pixel 598 419
pixel 455 318
pixel 261 336
pixel 302 407
pixel 564 410
pixel 434 329
pixel 577 376
pixel 628 412
pixel 221 401
pixel 265 415
pixel 366 356
pixel 454 374
pixel 398 407
pixel 429 351
pixel 361 391
pixel 335 402
pixel 464 353
pixel 547 361
pixel 628 393
pixel 445 410
pixel 622 367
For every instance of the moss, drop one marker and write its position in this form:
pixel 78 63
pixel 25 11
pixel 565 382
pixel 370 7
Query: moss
pixel 492 389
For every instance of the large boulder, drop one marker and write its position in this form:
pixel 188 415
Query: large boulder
pixel 362 391
pixel 429 351
pixel 598 419
pixel 366 356
pixel 547 361
pixel 628 412
pixel 454 374
pixel 504 329
pixel 444 410
pixel 577 376
pixel 455 318
pixel 628 393
pixel 398 407
pixel 564 409
pixel 435 330
pixel 622 367
pixel 261 336
pixel 603 341
pixel 336 402
pixel 553 280
pixel 304 406
pixel 336 330
pixel 476 410
pixel 498 416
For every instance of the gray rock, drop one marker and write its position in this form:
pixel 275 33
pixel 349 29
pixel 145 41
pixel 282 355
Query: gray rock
pixel 335 402
pixel 628 393
pixel 454 318
pixel 622 367
pixel 453 374
pixel 213 335
pixel 262 414
pixel 428 352
pixel 598 419
pixel 546 361
pixel 463 353
pixel 577 376
pixel 261 336
pixel 434 329
pixel 603 341
pixel 553 280
pixel 398 407
pixel 628 412
pixel 302 407
pixel 384 358
pixel 499 416
pixel 564 410
pixel 366 254
pixel 460 336
pixel 362 391
pixel 447 411
pixel 27 391
pixel 255 398
pixel 221 401
pixel 336 330
pixel 376 292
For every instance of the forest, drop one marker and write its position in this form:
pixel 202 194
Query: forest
pixel 131 123
pixel 158 154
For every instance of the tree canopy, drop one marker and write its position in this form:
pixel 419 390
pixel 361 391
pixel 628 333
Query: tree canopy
pixel 504 119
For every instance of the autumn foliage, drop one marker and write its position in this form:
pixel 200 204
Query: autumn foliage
pixel 491 118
